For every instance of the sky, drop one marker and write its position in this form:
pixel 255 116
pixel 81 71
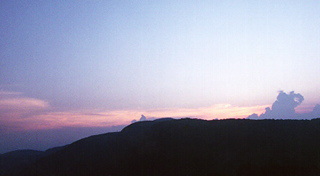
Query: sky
pixel 77 68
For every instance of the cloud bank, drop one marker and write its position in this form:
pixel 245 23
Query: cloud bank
pixel 284 108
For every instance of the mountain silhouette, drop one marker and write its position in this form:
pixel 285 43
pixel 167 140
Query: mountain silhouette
pixel 13 163
pixel 191 147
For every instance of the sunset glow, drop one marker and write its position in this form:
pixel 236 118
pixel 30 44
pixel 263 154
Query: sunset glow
pixel 33 114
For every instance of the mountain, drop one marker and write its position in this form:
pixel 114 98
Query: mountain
pixel 192 147
pixel 15 162
pixel 9 162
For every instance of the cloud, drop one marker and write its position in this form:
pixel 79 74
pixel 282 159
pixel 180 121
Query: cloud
pixel 142 118
pixel 15 101
pixel 50 118
pixel 315 113
pixel 316 110
pixel 284 108
pixel 22 104
pixel 14 107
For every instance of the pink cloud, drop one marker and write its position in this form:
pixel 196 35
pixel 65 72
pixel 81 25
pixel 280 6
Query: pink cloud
pixel 24 113
pixel 22 104
pixel 96 118
pixel 13 108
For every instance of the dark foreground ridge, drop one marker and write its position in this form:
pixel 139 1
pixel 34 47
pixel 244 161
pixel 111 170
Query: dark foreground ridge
pixel 191 147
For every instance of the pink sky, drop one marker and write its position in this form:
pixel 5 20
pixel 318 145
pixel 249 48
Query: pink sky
pixel 24 113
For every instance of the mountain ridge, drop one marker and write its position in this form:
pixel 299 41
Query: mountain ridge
pixel 192 147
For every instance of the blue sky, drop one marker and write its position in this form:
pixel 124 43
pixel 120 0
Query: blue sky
pixel 76 57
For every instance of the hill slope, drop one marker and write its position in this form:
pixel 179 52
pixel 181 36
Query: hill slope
pixel 13 163
pixel 193 147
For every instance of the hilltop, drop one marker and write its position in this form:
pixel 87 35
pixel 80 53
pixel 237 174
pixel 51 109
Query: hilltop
pixel 192 147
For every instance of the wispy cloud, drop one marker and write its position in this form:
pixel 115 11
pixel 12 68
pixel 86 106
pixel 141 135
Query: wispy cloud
pixel 100 118
pixel 14 107
pixel 25 113
pixel 22 104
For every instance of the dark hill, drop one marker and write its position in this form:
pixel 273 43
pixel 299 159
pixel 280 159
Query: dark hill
pixel 12 163
pixel 192 147
pixel 17 159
